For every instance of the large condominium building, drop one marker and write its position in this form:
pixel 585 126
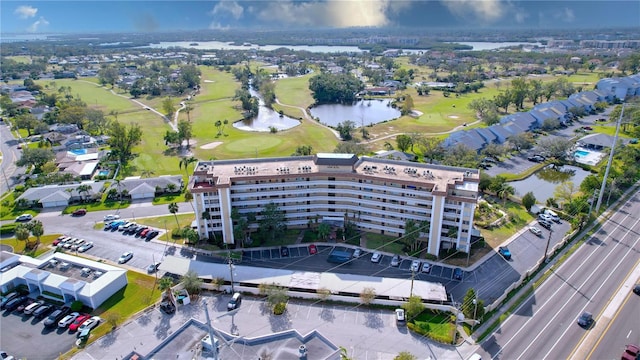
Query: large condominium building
pixel 377 195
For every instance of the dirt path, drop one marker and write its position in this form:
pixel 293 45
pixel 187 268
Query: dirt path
pixel 309 118
pixel 459 127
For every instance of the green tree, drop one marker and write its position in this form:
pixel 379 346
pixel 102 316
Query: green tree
pixel 335 88
pixel 367 295
pixel 528 200
pixel 191 282
pixel 565 191
pixel 25 121
pixel 168 107
pixel 472 307
pixel 218 125
pixel 405 355
pixel 185 131
pixel 431 148
pixel 505 192
pixel 123 139
pixel 171 137
pixel 173 208
pixel 108 75
pixel 165 284
pixel 35 157
pixel 73 114
pixel 481 106
pixel 411 234
pixel 403 142
pixel 323 231
pixel 96 122
pixel 22 233
pixel 345 129
pixel 303 150
pixel 413 307
pixel 272 223
pixel 185 162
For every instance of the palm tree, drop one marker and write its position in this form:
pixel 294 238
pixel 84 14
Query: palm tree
pixel 165 284
pixel 188 108
pixel 37 229
pixel 147 173
pixel 85 188
pixel 173 208
pixel 505 191
pixel 186 161
pixel 22 233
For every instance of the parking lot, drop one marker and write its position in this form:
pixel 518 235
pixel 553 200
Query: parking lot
pixel 25 337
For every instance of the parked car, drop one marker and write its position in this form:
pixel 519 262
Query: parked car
pixel 76 244
pixel 153 267
pixel 545 217
pixel 32 307
pixel 79 321
pixel 144 232
pixel 535 231
pixel 400 317
pixel 125 257
pixel 43 311
pixel 375 258
pixel 504 251
pixel 68 320
pixel 151 234
pixel 24 218
pixel 415 265
pixel 235 301
pixel 585 320
pixel 140 230
pixel 426 267
pixel 14 303
pixel 89 324
pixel 86 246
pixel 395 260
pixel 24 305
pixel 545 224
pixel 57 315
pixel 284 251
pixel 79 212
pixel 111 217
pixel 167 307
pixel 636 289
pixel 58 240
pixel 5 356
pixel 552 214
pixel 631 352
pixel 457 274
pixel 313 249
pixel 7 298
pixel 357 253
pixel 535 158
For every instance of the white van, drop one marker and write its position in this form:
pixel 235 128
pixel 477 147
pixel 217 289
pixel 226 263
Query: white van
pixel 475 356
pixel 553 215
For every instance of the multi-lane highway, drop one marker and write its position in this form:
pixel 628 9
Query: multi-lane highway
pixel 545 325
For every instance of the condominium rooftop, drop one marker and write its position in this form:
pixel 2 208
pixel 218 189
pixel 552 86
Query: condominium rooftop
pixel 434 177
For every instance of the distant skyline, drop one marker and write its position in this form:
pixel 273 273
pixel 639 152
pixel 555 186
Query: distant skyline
pixel 161 16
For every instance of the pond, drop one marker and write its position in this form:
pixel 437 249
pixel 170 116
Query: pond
pixel 363 112
pixel 544 182
pixel 266 119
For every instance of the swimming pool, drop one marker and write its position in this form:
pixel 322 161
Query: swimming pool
pixel 581 153
pixel 588 157
pixel 78 151
pixel 103 173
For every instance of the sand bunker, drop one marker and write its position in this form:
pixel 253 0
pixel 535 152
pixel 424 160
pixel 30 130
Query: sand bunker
pixel 210 145
pixel 454 116
pixel 209 81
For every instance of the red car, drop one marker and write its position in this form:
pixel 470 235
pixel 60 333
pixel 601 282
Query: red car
pixel 145 232
pixel 313 249
pixel 631 352
pixel 78 321
pixel 57 241
pixel 79 212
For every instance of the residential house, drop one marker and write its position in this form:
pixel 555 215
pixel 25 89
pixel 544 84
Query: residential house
pixel 148 188
pixel 60 195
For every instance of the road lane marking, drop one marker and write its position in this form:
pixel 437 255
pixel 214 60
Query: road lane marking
pixel 629 334
pixel 584 263
pixel 595 293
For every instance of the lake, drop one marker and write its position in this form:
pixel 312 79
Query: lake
pixel 481 45
pixel 363 112
pixel 266 119
pixel 544 182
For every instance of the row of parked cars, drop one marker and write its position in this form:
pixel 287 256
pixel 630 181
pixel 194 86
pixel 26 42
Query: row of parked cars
pixel 131 228
pixel 73 244
pixel 54 316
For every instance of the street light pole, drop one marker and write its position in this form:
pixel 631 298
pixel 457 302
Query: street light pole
pixel 546 249
pixel 413 275
pixel 606 172
pixel 231 270
pixel 475 310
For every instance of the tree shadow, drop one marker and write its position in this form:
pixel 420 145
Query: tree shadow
pixel 373 321
pixel 327 315
pixel 280 322
pixel 162 329
pixel 108 339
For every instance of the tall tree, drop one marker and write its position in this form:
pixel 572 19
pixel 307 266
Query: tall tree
pixel 35 157
pixel 37 229
pixel 272 223
pixel 123 139
pixel 185 162
pixel 185 131
pixel 22 233
pixel 26 121
pixel 404 142
pixel 168 107
pixel 173 208
pixel 505 191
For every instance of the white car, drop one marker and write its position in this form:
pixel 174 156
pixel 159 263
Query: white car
pixel 24 217
pixel 375 258
pixel 415 265
pixel 125 257
pixel 357 252
pixel 86 246
pixel 111 217
pixel 426 267
pixel 67 320
pixel 535 231
pixel 89 324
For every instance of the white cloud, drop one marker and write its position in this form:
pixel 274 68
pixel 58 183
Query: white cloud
pixel 333 13
pixel 25 11
pixel 35 27
pixel 565 15
pixel 230 7
pixel 482 11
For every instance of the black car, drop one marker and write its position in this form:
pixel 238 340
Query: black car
pixel 504 251
pixel 52 320
pixel 284 251
pixel 585 320
pixel 8 298
pixel 132 230
pixel 43 311
pixel 457 274
pixel 167 307
pixel 636 289
pixel 140 230
pixel 151 235
pixel 13 304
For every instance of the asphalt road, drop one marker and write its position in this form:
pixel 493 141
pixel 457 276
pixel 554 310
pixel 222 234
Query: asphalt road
pixel 10 154
pixel 624 329
pixel 544 326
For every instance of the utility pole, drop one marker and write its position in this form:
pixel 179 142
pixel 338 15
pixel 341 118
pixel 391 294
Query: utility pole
pixel 606 172
pixel 413 275
pixel 547 247
pixel 210 331
pixel 230 270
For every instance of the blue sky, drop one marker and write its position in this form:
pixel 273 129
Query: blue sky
pixel 160 16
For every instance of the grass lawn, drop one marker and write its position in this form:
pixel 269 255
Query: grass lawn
pixel 519 218
pixel 167 221
pixel 9 212
pixel 18 246
pixel 439 325
pixel 295 91
pixel 288 238
pixel 99 206
pixel 168 199
pixel 383 243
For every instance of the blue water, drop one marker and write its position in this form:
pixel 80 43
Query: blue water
pixel 78 151
pixel 581 153
pixel 103 172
